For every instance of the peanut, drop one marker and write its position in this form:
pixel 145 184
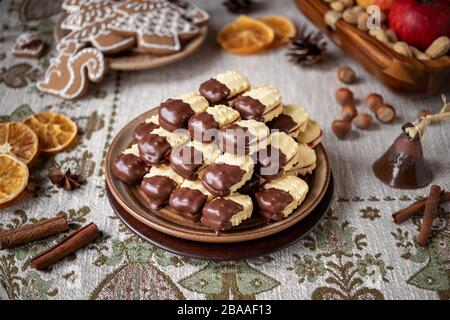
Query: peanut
pixel 419 54
pixel 331 17
pixel 380 35
pixel 350 16
pixel 337 6
pixel 438 48
pixel 402 48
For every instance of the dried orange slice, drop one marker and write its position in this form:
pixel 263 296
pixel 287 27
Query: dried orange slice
pixel 18 139
pixel 283 27
pixel 245 36
pixel 55 131
pixel 13 179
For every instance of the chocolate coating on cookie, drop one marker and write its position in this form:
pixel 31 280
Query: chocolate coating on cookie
pixel 250 187
pixel 158 190
pixel 185 161
pixel 270 163
pixel 234 139
pixel 202 127
pixel 249 108
pixel 143 129
pixel 283 123
pixel 220 177
pixel 174 114
pixel 214 91
pixel 187 202
pixel 129 168
pixel 217 213
pixel 271 202
pixel 153 149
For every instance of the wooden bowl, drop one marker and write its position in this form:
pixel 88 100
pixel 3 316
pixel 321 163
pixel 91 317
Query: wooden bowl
pixel 133 200
pixel 398 72
pixel 134 60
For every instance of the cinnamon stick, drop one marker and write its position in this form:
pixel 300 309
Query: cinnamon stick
pixel 34 231
pixel 68 245
pixel 429 214
pixel 416 208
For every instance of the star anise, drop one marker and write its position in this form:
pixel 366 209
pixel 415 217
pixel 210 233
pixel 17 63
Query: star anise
pixel 64 179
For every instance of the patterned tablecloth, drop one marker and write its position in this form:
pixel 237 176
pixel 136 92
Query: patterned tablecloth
pixel 356 253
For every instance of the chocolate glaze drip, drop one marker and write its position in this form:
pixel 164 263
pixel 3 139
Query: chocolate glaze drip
pixel 187 202
pixel 250 187
pixel 153 149
pixel 185 161
pixel 214 91
pixel 129 168
pixel 143 129
pixel 249 108
pixel 403 165
pixel 272 202
pixel 217 213
pixel 158 190
pixel 202 127
pixel 174 114
pixel 220 177
pixel 283 123
pixel 235 139
pixel 270 163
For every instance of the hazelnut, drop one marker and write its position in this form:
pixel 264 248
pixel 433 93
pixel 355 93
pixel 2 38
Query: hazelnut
pixel 346 75
pixel 341 128
pixel 423 113
pixel 363 121
pixel 344 96
pixel 348 112
pixel 373 100
pixel 385 113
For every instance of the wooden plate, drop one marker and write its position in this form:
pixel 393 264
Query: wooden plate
pixel 133 60
pixel 227 251
pixel 167 221
pixel 400 73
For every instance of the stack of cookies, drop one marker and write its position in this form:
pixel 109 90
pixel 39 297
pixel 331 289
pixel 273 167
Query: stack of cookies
pixel 98 29
pixel 223 154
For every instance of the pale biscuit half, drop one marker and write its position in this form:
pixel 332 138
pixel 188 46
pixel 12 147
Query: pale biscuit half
pixel 272 114
pixel 269 96
pixel 175 139
pixel 260 133
pixel 247 204
pixel 312 135
pixel 196 185
pixel 285 144
pixel 210 151
pixel 223 114
pixel 306 161
pixel 234 81
pixel 165 171
pixel 298 113
pixel 197 102
pixel 134 150
pixel 153 119
pixel 244 162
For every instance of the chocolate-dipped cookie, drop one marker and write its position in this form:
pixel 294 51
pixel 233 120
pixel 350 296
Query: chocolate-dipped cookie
pixel 278 198
pixel 244 137
pixel 278 157
pixel 159 184
pixel 28 46
pixel 227 174
pixel 204 126
pixel 143 129
pixel 312 135
pixel 155 147
pixel 190 159
pixel 292 120
pixel 224 213
pixel 224 86
pixel 129 168
pixel 306 161
pixel 189 198
pixel 175 113
pixel 261 103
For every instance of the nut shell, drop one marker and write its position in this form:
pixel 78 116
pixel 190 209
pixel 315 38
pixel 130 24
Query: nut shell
pixel 373 100
pixel 363 121
pixel 348 112
pixel 341 128
pixel 385 113
pixel 346 75
pixel 344 96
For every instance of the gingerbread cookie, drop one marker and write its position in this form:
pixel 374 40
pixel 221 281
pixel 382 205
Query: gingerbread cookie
pixel 28 45
pixel 189 198
pixel 261 103
pixel 227 174
pixel 68 74
pixel 175 113
pixel 244 137
pixel 204 126
pixel 87 14
pixel 224 86
pixel 159 184
pixel 190 159
pixel 224 213
pixel 278 199
pixel 312 135
pixel 292 120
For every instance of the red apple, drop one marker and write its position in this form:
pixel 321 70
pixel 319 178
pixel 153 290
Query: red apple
pixel 420 22
pixel 385 5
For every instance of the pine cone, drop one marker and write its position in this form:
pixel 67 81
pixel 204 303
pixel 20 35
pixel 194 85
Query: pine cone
pixel 66 180
pixel 238 6
pixel 306 48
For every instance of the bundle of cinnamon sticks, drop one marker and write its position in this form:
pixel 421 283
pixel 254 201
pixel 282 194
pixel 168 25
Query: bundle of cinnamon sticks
pixel 429 207
pixel 45 228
